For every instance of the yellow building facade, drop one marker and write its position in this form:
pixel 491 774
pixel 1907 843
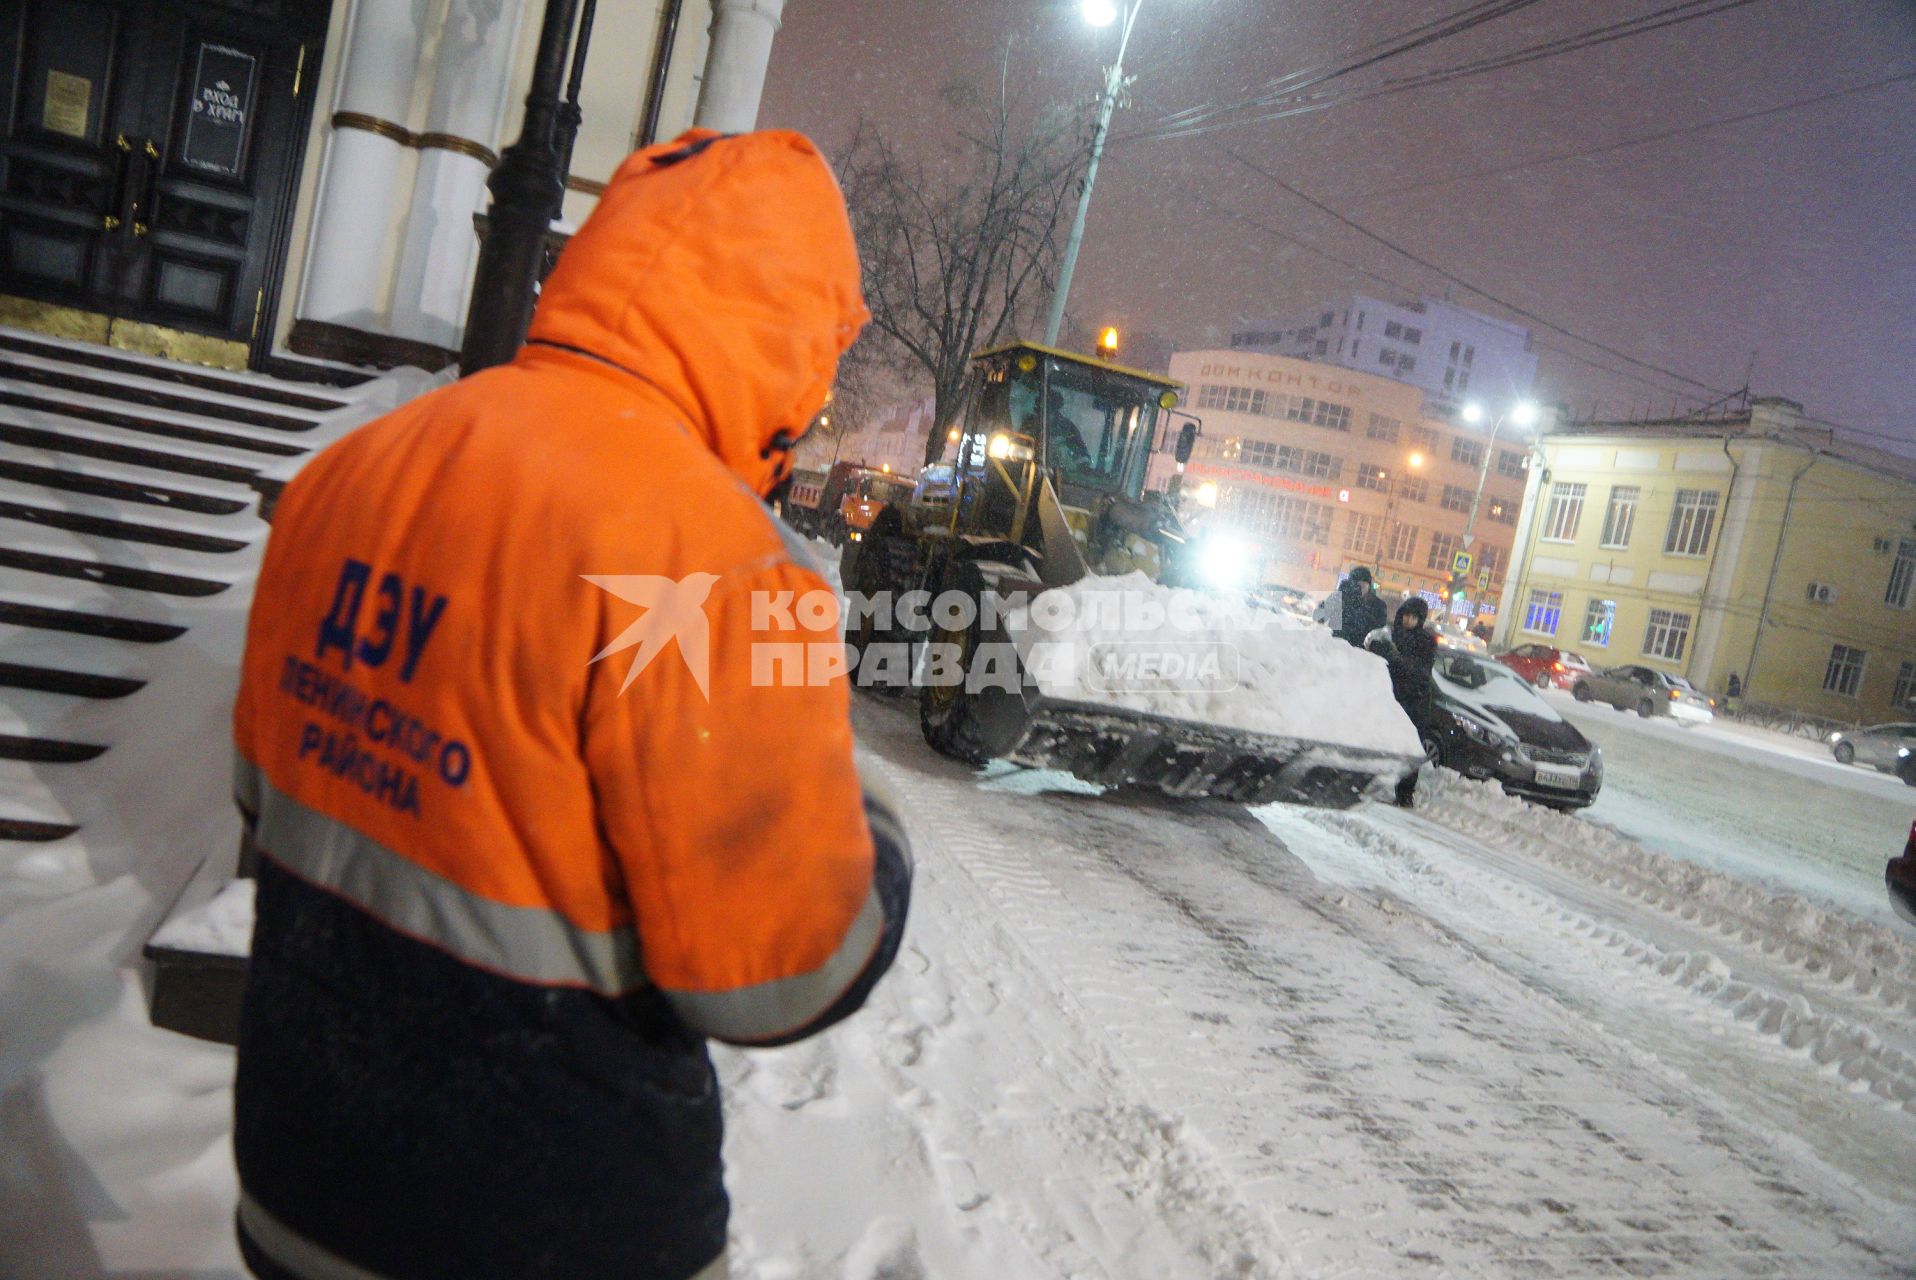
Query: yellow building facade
pixel 1325 469
pixel 1751 545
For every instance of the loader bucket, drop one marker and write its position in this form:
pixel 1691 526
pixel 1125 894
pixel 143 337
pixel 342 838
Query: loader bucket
pixel 1115 746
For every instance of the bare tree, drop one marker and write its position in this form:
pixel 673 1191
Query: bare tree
pixel 957 257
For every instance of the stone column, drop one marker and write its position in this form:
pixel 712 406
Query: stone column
pixel 364 155
pixel 457 151
pixel 742 32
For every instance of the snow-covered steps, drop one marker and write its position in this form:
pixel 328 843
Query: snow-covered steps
pixel 127 512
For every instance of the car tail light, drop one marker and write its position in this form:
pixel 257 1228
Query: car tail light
pixel 1675 694
pixel 1556 666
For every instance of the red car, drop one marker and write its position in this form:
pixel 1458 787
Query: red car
pixel 1545 666
pixel 1900 875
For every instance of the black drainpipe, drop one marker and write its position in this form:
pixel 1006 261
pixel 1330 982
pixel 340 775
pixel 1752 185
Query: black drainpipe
pixel 661 67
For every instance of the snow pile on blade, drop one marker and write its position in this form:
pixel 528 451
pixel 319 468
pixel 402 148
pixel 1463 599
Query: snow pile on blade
pixel 1127 642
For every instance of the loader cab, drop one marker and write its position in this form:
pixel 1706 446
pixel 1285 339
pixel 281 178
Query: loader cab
pixel 1091 425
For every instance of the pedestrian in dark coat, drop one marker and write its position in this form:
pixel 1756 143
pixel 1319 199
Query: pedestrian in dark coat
pixel 1411 650
pixel 1355 610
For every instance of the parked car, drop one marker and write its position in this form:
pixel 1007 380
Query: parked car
pixel 1890 748
pixel 1452 635
pixel 1648 692
pixel 1900 875
pixel 1493 725
pixel 1546 666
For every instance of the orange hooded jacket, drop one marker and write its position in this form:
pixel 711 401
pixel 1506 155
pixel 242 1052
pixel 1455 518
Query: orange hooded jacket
pixel 422 725
pixel 520 690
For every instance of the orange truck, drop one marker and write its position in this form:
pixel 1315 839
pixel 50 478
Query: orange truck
pixel 839 505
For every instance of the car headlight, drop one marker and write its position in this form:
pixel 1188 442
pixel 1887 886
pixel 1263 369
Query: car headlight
pixel 1483 733
pixel 1835 738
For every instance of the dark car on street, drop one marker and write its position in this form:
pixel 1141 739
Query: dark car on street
pixel 1890 748
pixel 1492 724
pixel 1545 665
pixel 1900 875
pixel 1648 692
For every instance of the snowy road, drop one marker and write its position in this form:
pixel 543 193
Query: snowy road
pixel 1133 1038
pixel 1767 807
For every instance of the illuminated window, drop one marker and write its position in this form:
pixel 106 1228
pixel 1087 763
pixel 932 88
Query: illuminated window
pixel 1543 612
pixel 1598 620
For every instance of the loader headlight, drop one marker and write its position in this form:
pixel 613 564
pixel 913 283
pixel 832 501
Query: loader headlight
pixel 1225 561
pixel 1010 448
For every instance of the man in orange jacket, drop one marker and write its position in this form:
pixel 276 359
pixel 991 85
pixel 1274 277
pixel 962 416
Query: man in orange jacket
pixel 535 814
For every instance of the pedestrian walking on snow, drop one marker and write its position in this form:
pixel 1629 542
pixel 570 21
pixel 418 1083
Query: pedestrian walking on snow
pixel 1411 650
pixel 530 825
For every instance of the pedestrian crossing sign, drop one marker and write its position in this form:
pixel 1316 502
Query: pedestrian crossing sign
pixel 1461 563
pixel 1483 580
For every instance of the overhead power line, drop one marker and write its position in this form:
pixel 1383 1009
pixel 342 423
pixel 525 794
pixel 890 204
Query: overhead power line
pixel 1369 55
pixel 1641 139
pixel 1295 102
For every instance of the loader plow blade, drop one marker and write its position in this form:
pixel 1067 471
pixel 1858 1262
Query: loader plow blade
pixel 1114 746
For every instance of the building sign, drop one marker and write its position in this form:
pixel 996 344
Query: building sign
pixel 1269 481
pixel 1279 378
pixel 1461 564
pixel 67 103
pixel 222 112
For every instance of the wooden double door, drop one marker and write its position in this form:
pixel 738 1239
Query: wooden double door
pixel 148 161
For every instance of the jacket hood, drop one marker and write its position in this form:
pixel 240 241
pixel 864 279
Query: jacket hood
pixel 721 270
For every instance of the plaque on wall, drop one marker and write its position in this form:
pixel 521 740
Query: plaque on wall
pixel 65 107
pixel 222 113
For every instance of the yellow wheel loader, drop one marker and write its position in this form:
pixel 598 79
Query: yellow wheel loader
pixel 1049 490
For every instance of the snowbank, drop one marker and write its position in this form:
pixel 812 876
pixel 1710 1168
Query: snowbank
pixel 1129 642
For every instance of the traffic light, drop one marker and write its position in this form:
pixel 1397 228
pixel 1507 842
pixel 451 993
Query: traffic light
pixel 1459 586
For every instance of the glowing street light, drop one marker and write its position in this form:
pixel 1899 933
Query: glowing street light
pixel 1099 13
pixel 1524 414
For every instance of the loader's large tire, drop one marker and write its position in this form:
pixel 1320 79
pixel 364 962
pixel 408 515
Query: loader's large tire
pixel 958 722
pixel 883 564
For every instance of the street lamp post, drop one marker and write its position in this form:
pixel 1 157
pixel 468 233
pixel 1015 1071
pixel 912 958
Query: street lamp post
pixel 1416 461
pixel 1099 13
pixel 1524 414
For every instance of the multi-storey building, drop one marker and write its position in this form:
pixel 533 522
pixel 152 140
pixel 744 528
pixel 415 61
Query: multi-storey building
pixel 1750 544
pixel 1455 355
pixel 1327 469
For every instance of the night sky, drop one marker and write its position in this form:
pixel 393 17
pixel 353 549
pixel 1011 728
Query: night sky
pixel 1791 236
